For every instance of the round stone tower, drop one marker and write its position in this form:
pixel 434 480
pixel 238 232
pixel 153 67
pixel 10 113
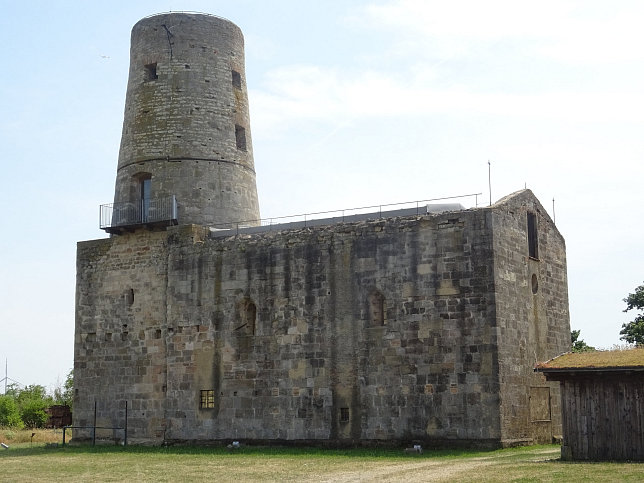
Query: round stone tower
pixel 186 131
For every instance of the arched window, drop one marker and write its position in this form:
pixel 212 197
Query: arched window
pixel 247 312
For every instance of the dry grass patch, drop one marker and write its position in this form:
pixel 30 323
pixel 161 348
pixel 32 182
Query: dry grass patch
pixel 21 437
pixel 86 463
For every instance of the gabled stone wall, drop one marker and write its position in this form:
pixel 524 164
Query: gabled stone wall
pixel 533 319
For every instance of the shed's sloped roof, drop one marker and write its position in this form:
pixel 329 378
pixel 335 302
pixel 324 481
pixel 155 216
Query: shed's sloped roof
pixel 597 360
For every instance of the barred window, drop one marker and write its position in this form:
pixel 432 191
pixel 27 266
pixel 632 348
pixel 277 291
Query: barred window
pixel 344 415
pixel 207 399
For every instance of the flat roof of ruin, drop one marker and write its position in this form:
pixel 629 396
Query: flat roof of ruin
pixel 434 208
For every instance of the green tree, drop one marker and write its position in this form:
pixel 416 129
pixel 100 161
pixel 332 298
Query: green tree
pixel 65 394
pixel 9 414
pixel 578 345
pixel 633 332
pixel 12 390
pixel 32 402
pixel 33 391
pixel 33 413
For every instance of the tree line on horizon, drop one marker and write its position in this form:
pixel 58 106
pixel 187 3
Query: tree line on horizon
pixel 26 407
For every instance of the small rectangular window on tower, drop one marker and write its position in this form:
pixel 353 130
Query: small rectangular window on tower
pixel 533 242
pixel 151 72
pixel 236 79
pixel 207 399
pixel 240 137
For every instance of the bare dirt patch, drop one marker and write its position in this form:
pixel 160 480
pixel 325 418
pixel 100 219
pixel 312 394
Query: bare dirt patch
pixel 429 470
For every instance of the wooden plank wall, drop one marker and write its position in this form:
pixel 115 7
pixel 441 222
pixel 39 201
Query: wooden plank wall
pixel 603 417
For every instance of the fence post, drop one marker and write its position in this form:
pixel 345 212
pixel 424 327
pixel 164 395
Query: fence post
pixel 125 443
pixel 94 427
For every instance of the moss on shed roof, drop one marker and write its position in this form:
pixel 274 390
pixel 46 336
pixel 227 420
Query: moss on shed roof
pixel 596 359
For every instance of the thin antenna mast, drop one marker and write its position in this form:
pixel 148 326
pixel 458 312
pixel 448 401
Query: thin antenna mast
pixel 489 179
pixel 554 215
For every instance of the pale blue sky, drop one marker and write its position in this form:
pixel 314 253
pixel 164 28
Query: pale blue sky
pixel 352 103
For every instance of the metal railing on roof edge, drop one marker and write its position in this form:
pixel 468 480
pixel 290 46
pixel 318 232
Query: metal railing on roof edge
pixel 304 217
pixel 193 12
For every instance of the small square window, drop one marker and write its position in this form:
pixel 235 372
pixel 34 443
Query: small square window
pixel 207 399
pixel 151 72
pixel 236 79
pixel 344 415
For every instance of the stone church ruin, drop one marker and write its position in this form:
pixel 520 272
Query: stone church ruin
pixel 407 327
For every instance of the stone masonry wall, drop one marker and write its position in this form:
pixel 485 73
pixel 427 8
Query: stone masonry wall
pixel 400 329
pixel 119 347
pixel 533 318
pixel 425 369
pixel 370 331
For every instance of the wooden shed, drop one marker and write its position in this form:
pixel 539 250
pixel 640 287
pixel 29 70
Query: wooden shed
pixel 602 403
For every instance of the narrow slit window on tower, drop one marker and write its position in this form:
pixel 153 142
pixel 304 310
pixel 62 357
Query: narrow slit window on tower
pixel 207 399
pixel 151 72
pixel 240 137
pixel 533 242
pixel 236 79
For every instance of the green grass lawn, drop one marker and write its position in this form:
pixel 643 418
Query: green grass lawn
pixel 22 462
